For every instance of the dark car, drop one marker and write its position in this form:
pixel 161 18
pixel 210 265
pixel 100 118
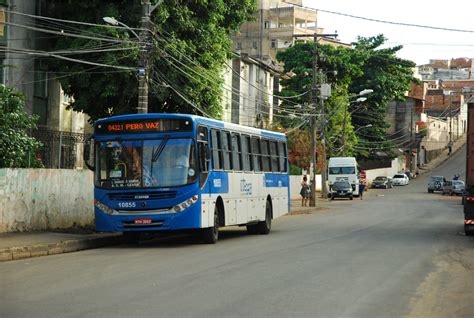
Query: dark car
pixel 453 187
pixel 382 182
pixel 341 189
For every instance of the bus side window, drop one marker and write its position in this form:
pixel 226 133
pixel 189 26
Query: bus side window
pixel 265 155
pixel 236 152
pixel 225 135
pixel 274 156
pixel 257 159
pixel 216 145
pixel 246 155
pixel 282 156
pixel 203 150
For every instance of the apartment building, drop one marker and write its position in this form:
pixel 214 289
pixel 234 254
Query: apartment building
pixel 60 130
pixel 274 29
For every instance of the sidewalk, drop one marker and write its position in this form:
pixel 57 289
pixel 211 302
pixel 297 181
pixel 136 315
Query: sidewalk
pixel 457 145
pixel 296 208
pixel 20 245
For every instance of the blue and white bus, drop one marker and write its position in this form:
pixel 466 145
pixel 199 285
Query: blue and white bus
pixel 168 172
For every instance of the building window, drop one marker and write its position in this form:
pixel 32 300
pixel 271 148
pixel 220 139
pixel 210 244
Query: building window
pixel 254 44
pixel 274 43
pixel 266 25
pixel 239 46
pixel 40 96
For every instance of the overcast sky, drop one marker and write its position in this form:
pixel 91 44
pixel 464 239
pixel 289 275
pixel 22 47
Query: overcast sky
pixel 420 44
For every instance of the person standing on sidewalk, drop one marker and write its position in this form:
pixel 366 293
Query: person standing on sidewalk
pixel 305 191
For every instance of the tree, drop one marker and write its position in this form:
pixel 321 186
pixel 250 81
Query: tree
pixel 349 71
pixel 190 47
pixel 389 77
pixel 17 147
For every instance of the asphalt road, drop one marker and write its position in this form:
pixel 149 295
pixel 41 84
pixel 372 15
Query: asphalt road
pixel 399 252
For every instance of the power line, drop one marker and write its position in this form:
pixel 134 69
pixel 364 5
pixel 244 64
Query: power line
pixel 385 21
pixel 48 54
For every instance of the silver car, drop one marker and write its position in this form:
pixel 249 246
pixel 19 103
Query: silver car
pixel 453 187
pixel 436 183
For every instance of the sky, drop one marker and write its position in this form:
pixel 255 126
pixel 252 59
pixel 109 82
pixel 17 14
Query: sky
pixel 420 44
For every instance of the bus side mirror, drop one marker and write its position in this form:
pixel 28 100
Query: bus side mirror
pixel 89 155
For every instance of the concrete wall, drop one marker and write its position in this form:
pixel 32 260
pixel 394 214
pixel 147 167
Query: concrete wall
pixel 386 172
pixel 295 185
pixel 45 199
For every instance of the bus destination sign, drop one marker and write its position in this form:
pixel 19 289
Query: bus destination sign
pixel 142 126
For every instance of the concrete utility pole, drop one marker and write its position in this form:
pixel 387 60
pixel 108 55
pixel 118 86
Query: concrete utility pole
pixel 313 124
pixel 142 73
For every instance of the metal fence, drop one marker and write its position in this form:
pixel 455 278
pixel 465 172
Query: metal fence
pixel 61 149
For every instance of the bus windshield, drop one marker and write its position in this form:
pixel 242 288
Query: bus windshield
pixel 341 170
pixel 146 163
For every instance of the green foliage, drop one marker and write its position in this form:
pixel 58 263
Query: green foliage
pixel 17 148
pixel 190 46
pixel 365 66
pixel 295 171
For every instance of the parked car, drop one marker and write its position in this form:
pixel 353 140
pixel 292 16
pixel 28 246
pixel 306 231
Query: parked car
pixel 400 179
pixel 341 189
pixel 436 183
pixel 409 174
pixel 382 182
pixel 453 187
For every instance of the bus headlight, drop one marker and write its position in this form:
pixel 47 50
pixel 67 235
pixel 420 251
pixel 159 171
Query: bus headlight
pixel 103 207
pixel 185 204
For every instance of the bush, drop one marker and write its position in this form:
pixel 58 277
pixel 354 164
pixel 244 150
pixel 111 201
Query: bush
pixel 295 171
pixel 17 148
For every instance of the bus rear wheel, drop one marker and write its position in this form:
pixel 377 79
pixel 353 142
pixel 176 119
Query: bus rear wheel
pixel 210 235
pixel 264 227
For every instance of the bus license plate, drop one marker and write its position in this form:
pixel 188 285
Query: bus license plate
pixel 142 221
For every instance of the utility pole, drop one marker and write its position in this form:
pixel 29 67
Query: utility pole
pixel 344 131
pixel 142 73
pixel 313 124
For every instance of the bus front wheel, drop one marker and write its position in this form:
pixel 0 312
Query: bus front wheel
pixel 210 235
pixel 264 227
pixel 132 238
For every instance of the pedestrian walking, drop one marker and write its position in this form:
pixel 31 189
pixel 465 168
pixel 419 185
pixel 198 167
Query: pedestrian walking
pixel 362 186
pixel 305 191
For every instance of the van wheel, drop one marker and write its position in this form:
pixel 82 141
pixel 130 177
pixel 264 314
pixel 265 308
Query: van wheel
pixel 210 235
pixel 264 227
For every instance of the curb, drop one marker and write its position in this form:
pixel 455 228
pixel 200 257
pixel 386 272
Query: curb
pixel 36 250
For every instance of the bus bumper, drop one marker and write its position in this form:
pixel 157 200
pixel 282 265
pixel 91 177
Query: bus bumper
pixel 187 219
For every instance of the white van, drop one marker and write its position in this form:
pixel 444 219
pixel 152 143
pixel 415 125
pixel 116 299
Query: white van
pixel 343 168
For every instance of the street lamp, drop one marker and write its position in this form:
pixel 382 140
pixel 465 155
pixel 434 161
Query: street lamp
pixel 362 127
pixel 142 73
pixel 144 39
pixel 358 100
pixel 115 22
pixel 366 91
